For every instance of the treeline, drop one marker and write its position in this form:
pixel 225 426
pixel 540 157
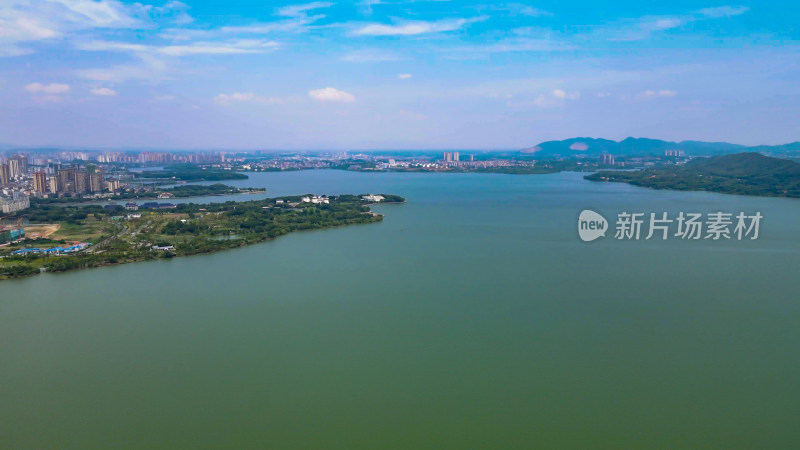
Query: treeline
pixel 72 214
pixel 741 174
pixel 189 172
pixel 184 191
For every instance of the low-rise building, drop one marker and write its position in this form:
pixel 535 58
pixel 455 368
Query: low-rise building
pixel 315 199
pixel 373 198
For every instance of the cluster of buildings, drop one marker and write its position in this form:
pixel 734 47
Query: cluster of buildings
pixel 607 159
pixel 51 251
pixel 11 234
pixel 13 201
pixel 316 199
pixel 23 177
pixel 133 206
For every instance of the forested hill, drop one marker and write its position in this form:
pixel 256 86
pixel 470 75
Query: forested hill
pixel 643 146
pixel 741 173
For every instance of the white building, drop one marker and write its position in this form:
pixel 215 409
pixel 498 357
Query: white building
pixel 14 204
pixel 315 199
pixel 373 198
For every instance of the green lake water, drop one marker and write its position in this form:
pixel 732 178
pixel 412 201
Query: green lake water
pixel 471 317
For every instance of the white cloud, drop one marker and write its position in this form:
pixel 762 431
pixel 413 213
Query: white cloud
pixel 99 14
pixel 645 27
pixel 99 46
pixel 723 11
pixel 225 99
pixel 174 11
pixel 404 76
pixel 150 68
pixel 52 88
pixel 239 97
pixel 196 48
pixel 211 48
pixel 564 95
pixel 23 22
pixel 512 45
pixel 661 93
pixel 301 10
pixel 330 94
pixel 523 10
pixel 416 27
pixel 104 92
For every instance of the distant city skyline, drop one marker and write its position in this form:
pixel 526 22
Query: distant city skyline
pixel 401 74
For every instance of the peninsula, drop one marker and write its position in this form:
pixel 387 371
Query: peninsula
pixel 741 173
pixel 78 237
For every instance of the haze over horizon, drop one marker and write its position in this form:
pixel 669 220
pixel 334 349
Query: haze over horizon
pixel 405 74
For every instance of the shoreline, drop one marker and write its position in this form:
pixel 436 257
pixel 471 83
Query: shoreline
pixel 161 235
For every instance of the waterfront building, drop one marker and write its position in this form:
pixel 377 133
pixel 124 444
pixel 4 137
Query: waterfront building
pixel 373 198
pixel 315 199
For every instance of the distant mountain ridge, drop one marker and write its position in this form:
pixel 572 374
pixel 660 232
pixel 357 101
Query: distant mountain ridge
pixel 644 146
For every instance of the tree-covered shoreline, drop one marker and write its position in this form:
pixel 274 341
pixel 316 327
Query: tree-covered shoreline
pixel 182 191
pixel 739 174
pixel 188 229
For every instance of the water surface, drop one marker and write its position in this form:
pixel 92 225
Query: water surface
pixel 471 317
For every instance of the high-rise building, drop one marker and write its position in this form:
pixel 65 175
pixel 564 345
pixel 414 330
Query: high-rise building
pixel 113 185
pixel 66 183
pixel 53 185
pixel 22 160
pixel 13 168
pixel 96 181
pixel 5 174
pixel 448 156
pixel 81 182
pixel 40 182
pixel 607 159
pixel 455 156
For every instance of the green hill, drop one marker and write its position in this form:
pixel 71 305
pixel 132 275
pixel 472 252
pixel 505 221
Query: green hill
pixel 740 173
pixel 644 146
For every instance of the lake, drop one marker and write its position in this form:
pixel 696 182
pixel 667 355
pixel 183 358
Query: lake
pixel 471 317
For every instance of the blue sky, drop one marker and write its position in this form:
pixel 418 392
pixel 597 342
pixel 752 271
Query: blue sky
pixel 395 74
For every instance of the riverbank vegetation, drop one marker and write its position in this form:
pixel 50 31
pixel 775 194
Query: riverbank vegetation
pixel 741 174
pixel 186 230
pixel 190 172
pixel 183 191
